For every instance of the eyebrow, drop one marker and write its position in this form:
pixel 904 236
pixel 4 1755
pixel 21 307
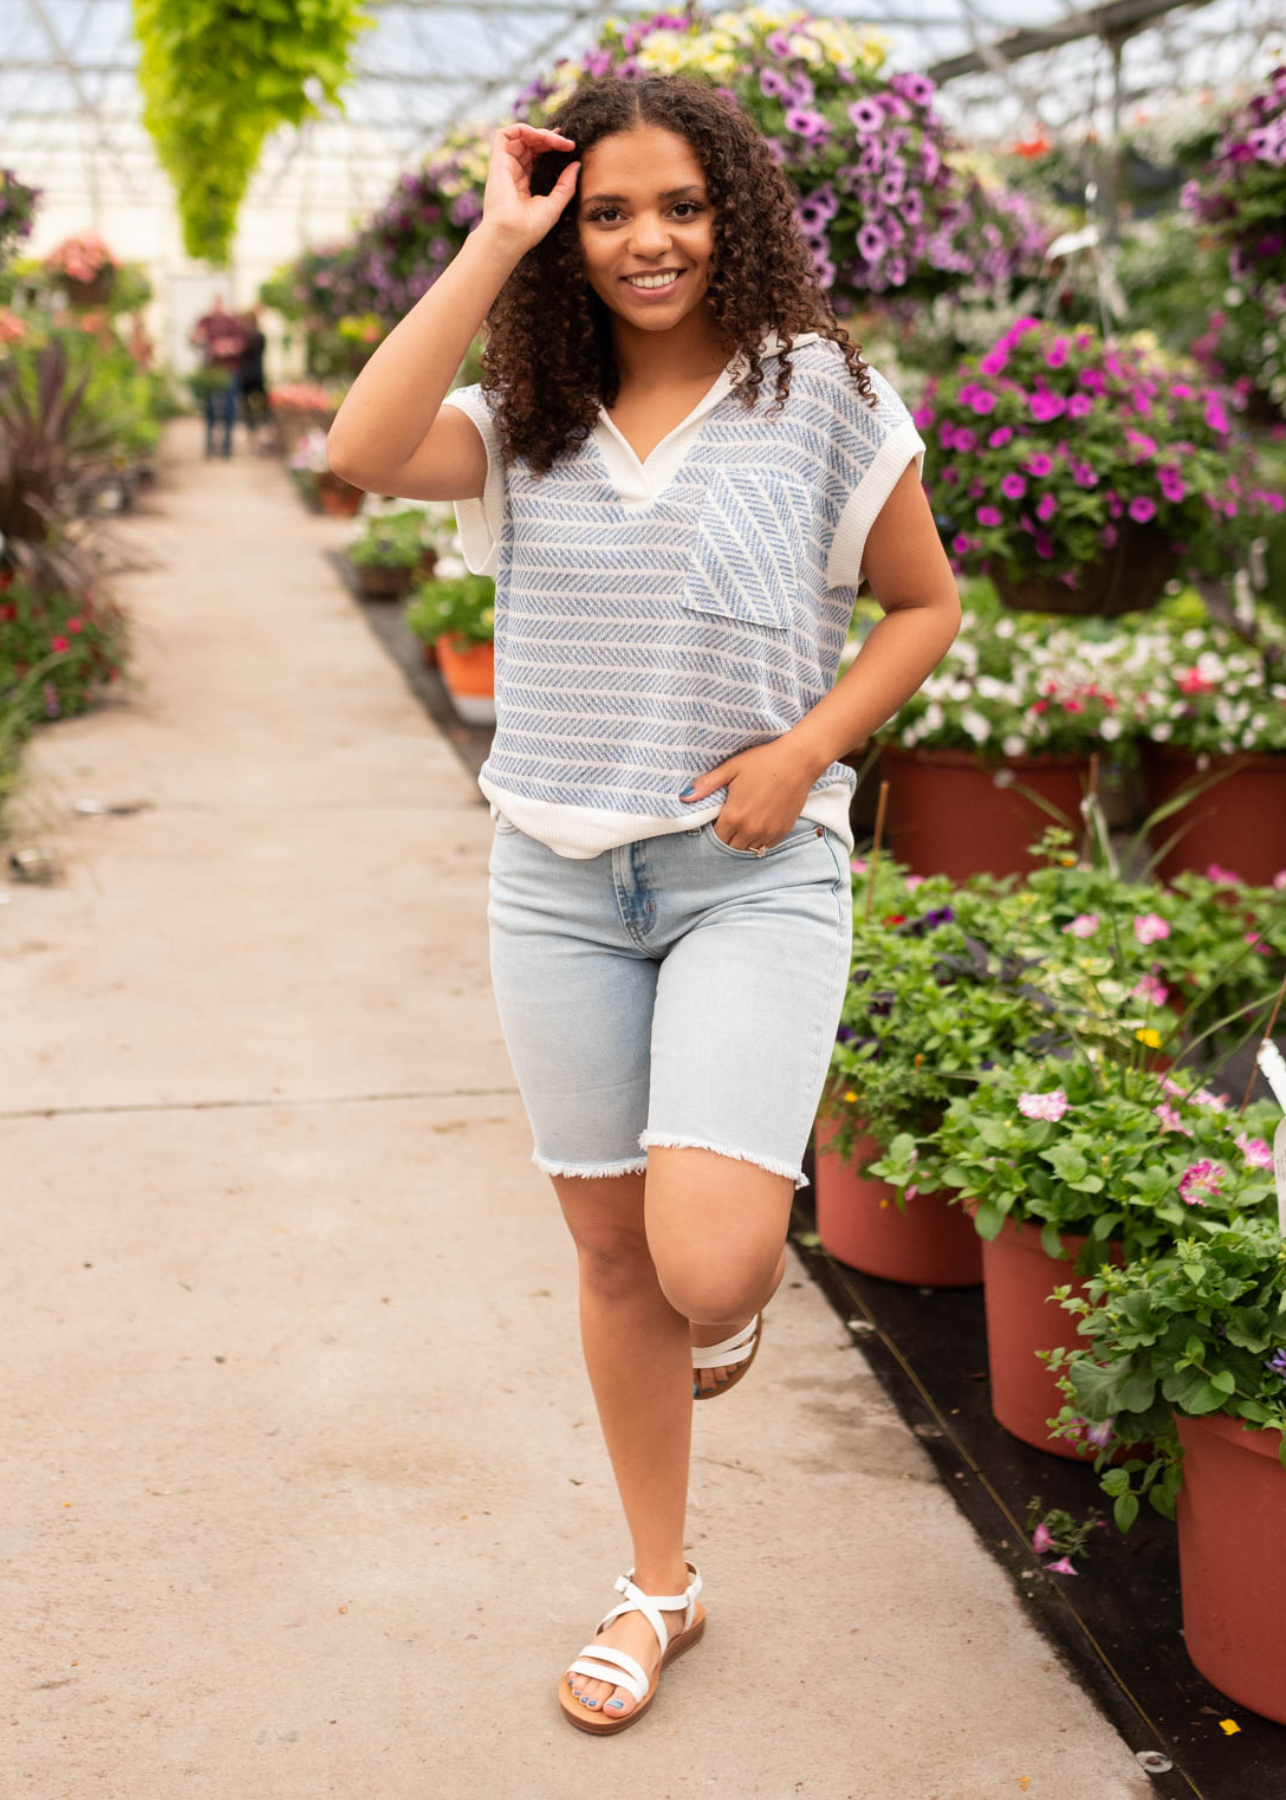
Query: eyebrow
pixel 669 194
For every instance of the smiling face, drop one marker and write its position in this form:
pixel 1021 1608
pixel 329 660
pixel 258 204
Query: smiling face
pixel 645 212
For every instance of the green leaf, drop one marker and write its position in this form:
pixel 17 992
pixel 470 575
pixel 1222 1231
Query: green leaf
pixel 987 1220
pixel 1125 1510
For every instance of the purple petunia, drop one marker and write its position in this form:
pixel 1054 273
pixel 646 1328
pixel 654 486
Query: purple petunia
pixel 1012 486
pixel 867 115
pixel 1142 508
pixel 988 515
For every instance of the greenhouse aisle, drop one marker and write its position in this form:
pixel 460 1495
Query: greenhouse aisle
pixel 305 1492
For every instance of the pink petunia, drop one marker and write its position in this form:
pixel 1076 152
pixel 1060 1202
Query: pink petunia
pixel 1012 486
pixel 1049 1107
pixel 1046 507
pixel 1042 1539
pixel 1222 877
pixel 1141 508
pixel 1200 1179
pixel 1170 1120
pixel 1255 1150
pixel 1062 1567
pixel 1084 925
pixel 1040 464
pixel 1000 437
pixel 1148 988
pixel 1150 928
pixel 988 515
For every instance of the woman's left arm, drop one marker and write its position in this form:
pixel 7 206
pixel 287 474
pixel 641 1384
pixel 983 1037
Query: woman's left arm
pixel 907 568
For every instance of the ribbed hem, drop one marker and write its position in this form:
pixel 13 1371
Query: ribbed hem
pixel 862 508
pixel 480 521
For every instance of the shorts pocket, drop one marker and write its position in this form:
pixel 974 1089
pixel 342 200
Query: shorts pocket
pixel 503 825
pixel 745 557
pixel 798 834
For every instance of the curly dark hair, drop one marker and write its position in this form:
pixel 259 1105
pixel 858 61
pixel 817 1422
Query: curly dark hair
pixel 549 358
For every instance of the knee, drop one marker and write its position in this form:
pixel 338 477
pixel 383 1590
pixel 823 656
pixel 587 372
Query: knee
pixel 711 1296
pixel 615 1264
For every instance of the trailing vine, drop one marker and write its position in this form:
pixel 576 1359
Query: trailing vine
pixel 218 77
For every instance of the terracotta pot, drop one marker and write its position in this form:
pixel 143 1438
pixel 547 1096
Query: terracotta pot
pixel 338 498
pixel 946 815
pixel 380 582
pixel 1239 822
pixel 1129 577
pixel 1232 1574
pixel 1021 1319
pixel 931 1244
pixel 469 671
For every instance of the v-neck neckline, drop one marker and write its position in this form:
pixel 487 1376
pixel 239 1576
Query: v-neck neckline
pixel 709 400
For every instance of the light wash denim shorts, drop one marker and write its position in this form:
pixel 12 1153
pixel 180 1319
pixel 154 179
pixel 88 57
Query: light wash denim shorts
pixel 671 991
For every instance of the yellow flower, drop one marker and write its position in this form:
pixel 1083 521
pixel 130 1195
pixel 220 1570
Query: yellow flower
pixel 1150 1036
pixel 850 1095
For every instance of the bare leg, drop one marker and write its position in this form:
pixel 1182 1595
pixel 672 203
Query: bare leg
pixel 715 1334
pixel 640 1369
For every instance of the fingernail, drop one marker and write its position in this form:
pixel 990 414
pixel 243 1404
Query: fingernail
pixel 684 792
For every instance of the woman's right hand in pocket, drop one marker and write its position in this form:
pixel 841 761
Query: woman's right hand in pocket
pixel 509 208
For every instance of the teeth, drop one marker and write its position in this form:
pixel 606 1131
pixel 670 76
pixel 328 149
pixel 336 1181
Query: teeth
pixel 653 281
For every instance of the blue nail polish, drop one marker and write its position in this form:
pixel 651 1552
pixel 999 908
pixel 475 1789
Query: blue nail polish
pixel 684 792
pixel 616 1703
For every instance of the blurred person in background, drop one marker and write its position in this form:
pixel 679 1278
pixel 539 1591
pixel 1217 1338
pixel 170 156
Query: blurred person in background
pixel 221 339
pixel 256 411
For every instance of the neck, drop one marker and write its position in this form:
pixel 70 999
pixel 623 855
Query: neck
pixel 686 352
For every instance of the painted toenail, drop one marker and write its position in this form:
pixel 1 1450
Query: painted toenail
pixel 616 1703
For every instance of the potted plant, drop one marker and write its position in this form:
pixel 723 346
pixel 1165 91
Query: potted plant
pixel 1087 1163
pixel 999 739
pixel 389 552
pixel 918 1021
pixel 1210 709
pixel 456 611
pixel 1185 1351
pixel 307 463
pixel 1083 474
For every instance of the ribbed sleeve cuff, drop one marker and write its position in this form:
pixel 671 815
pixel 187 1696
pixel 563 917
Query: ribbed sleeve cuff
pixel 479 521
pixel 844 565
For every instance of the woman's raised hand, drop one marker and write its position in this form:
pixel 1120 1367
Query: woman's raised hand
pixel 509 207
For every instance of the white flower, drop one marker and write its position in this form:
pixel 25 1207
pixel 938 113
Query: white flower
pixel 1110 728
pixel 933 717
pixel 979 729
pixel 1014 745
pixel 1161 730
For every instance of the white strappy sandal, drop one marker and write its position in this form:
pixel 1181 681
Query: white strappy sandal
pixel 737 1349
pixel 603 1662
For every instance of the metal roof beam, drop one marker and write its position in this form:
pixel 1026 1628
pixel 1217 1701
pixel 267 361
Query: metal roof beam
pixel 1120 18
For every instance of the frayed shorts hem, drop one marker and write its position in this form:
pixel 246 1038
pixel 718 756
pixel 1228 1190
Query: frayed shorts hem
pixel 665 1142
pixel 638 1165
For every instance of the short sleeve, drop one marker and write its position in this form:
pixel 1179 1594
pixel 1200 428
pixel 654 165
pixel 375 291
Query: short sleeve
pixel 869 451
pixel 480 521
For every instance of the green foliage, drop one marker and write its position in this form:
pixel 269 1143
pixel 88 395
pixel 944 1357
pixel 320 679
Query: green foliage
pixel 395 540
pixel 57 650
pixel 1198 1328
pixel 217 78
pixel 464 604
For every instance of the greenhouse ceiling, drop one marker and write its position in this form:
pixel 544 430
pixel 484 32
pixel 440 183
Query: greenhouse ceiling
pixel 69 103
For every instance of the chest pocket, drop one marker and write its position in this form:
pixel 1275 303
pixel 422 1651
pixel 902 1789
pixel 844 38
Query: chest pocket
pixel 745 560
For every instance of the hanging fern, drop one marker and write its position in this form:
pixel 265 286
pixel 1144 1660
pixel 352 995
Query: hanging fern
pixel 218 77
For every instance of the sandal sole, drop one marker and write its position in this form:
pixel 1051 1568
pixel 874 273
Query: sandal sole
pixel 584 1720
pixel 743 1369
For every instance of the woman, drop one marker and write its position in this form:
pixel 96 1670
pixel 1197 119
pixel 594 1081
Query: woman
pixel 670 891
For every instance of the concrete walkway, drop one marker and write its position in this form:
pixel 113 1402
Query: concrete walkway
pixel 304 1493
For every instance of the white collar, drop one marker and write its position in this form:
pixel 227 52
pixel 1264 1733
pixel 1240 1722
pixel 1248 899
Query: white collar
pixel 640 484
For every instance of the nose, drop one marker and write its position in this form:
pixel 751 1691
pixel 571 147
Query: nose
pixel 650 238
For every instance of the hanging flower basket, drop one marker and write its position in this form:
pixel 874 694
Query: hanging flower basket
pixel 1130 577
